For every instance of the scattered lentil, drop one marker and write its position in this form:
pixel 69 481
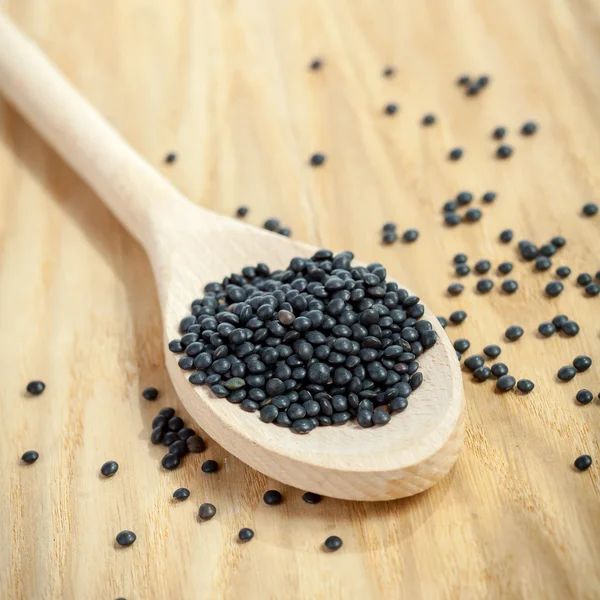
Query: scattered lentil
pixel 181 494
pixel 410 235
pixel 170 158
pixel 546 329
pixel 462 345
pixel 473 215
pixel 554 288
pixel 30 457
pixel 504 151
pixel 428 119
pixel 590 209
pixel 195 444
pixel 245 534
pixel 584 396
pixel 210 466
pixel 583 279
pixel 510 286
pixel 583 462
pixel 272 497
pixel 505 267
pixel 207 511
pixel 458 316
pixel 592 289
pixel 474 362
pixel 582 363
pixel 455 289
pixel 35 388
pixel 492 351
pixel 389 71
pixel 311 498
pixel 391 108
pixel 126 538
pixel 543 263
pixel 563 271
pixel 570 328
pixel 505 383
pixel 242 211
pixel 460 258
pixel 464 198
pixel 451 219
pixel 499 133
pixel 566 373
pixel 462 270
pixel 108 469
pixel 525 386
pixel 559 321
pixel 506 236
pixel 482 266
pixel 484 285
pixel 529 128
pixel 316 64
pixel 499 370
pixel 317 159
pixel 333 543
pixel 271 224
pixel 463 80
pixel 442 321
pixel 482 373
pixel 513 333
pixel 559 241
pixel 150 393
pixel 170 461
pixel 548 249
pixel 488 197
pixel 455 154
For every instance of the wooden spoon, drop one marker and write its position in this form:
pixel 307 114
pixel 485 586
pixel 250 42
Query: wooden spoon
pixel 189 246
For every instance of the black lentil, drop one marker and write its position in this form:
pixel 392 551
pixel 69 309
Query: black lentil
pixel 175 423
pixel 529 128
pixel 558 241
pixel 592 289
pixel 150 393
pixel 462 345
pixel 546 329
pixel 30 457
pixel 333 543
pixel 473 215
pixel 528 250
pixel 389 237
pixel 583 279
pixel 125 538
pixel 510 286
pixel 582 363
pixel 563 271
pixel 428 119
pixel 463 80
pixel 455 289
pixel 195 444
pixel 590 209
pixel 584 396
pixel 492 351
pixel 451 219
pixel 242 211
pixel 484 285
pixel 583 462
pixel 35 388
pixel 474 362
pixel 506 236
pixel 207 511
pixel 285 231
pixel 245 534
pixel 499 133
pixel 272 497
pixel 464 198
pixel 169 437
pixel 170 461
pixel 108 469
pixel 483 80
pixel 410 235
pixel 499 370
pixel 525 386
pixel 462 270
pixel 504 151
pixel 482 373
pixel 391 108
pixel 170 158
pixel 554 288
pixel 210 466
pixel 548 249
pixel 505 383
pixel 566 373
pixel 271 224
pixel 316 64
pixel 513 333
pixel 570 328
pixel 488 197
pixel 458 316
pixel 311 498
pixel 181 494
pixel 559 321
pixel 543 263
pixel 389 71
pixel 482 266
pixel 450 206
pixel 460 258
pixel 317 159
pixel 505 267
pixel 455 154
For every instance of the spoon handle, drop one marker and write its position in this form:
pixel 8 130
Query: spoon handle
pixel 137 194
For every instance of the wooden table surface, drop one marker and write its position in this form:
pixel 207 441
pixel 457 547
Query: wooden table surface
pixel 225 84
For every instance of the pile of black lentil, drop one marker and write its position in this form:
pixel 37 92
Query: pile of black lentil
pixel 319 343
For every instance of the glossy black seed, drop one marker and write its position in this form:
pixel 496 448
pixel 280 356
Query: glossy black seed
pixel 559 321
pixel 506 236
pixel 464 198
pixel 166 412
pixel 529 128
pixel 443 322
pixel 504 151
pixel 311 498
pixel 450 206
pixel 210 466
pixel 460 258
pixel 381 417
pixel 398 404
pixel 170 461
pixel 499 369
pixel 428 119
pixel 410 235
pixel 525 386
pixel 582 363
pixel 150 393
pixel 473 89
pixel 169 437
pixel 543 263
pixel 242 211
pixel 207 511
pixel 510 286
pixel 389 237
pixel 472 215
pixel 548 249
pixel 302 426
pixel 583 462
pixel 492 351
pixel 389 71
pixel 462 345
pixel 499 133
pixel 272 497
pixel 463 80
pixel 333 543
pixel 462 270
pixel 484 285
pixel 583 279
pixel 170 158
pixel 558 241
pixel 317 159
pixel 35 388
pixel 455 154
pixel 271 224
pixel 482 373
pixel 195 444
pixel 474 362
pixel 30 457
pixel 285 231
pixel 566 373
pixel 451 219
pixel 175 423
pixel 482 266
pixel 513 333
pixel 505 383
pixel 592 289
pixel 590 209
pixel 554 288
pixel 488 197
pixel 584 396
pixel 157 435
pixel 458 316
pixel 570 328
pixel 505 268
pixel 245 534
pixel 181 494
pixel 546 329
pixel 454 289
pixel 108 469
pixel 563 272
pixel 316 64
pixel 365 418
pixel 125 538
pixel 391 108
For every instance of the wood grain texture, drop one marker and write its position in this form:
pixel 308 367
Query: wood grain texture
pixel 226 85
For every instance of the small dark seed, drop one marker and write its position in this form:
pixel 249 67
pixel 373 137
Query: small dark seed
pixel 316 64
pixel 482 373
pixel 181 494
pixel 482 266
pixel 484 285
pixel 455 154
pixel 463 80
pixel 474 362
pixel 505 383
pixel 505 268
pixel 510 286
pixel 460 258
pixel 389 71
pixel 333 543
pixel 272 497
pixel 493 351
pixel 499 369
pixel 543 263
pixel 126 538
pixel 170 158
pixel 584 396
pixel 30 457
pixel 35 388
pixel 473 215
pixel 462 345
pixel 207 511
pixel 590 209
pixel 195 443
pixel 454 289
pixel 546 329
pixel 582 363
pixel 506 236
pixel 462 270
pixel 592 289
pixel 210 466
pixel 464 198
pixel 583 462
pixel 559 321
pixel 570 328
pixel 566 373
pixel 499 133
pixel 514 332
pixel 554 288
pixel 458 316
pixel 317 159
pixel 563 272
pixel 558 241
pixel 311 498
pixel 428 119
pixel 245 534
pixel 391 108
pixel 504 151
pixel 525 386
pixel 410 235
pixel 242 211
pixel 451 219
pixel 150 393
pixel 529 128
pixel 170 461
pixel 488 197
pixel 108 469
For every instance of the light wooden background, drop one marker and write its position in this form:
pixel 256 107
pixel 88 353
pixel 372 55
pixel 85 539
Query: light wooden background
pixel 225 84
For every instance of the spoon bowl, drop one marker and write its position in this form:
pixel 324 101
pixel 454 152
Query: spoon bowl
pixel 188 247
